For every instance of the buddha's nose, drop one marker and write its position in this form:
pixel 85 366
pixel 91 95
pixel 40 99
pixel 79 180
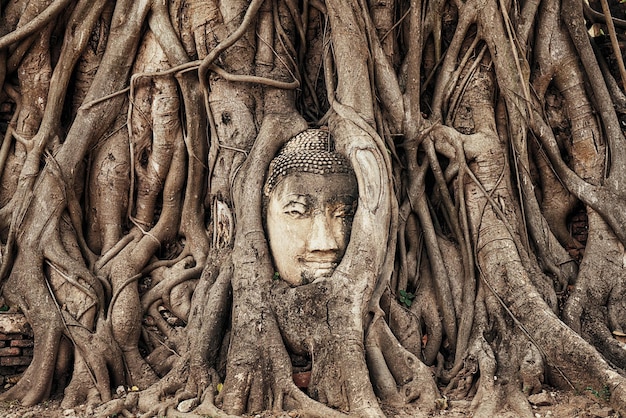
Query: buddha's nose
pixel 321 237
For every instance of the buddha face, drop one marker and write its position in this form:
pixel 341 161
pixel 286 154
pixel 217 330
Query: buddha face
pixel 309 218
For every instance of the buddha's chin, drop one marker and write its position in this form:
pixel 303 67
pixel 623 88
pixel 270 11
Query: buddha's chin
pixel 320 271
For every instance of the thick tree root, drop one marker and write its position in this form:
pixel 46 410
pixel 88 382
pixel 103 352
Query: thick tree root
pixel 398 376
pixel 26 288
pixel 492 395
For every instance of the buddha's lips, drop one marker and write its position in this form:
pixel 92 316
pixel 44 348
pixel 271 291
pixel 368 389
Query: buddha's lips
pixel 320 265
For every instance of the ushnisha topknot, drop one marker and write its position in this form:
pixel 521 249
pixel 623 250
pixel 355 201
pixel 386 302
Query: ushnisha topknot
pixel 311 151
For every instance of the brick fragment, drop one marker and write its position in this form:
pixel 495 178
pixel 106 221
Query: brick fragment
pixel 22 343
pixel 15 361
pixel 10 351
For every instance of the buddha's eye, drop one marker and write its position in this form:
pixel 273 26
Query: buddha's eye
pixel 295 210
pixel 344 211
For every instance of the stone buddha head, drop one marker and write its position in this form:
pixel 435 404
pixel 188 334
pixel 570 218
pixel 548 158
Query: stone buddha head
pixel 311 195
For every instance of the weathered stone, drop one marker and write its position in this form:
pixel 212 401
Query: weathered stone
pixel 541 399
pixel 601 412
pixel 565 411
pixel 12 379
pixel 14 323
pixel 580 402
pixel 187 405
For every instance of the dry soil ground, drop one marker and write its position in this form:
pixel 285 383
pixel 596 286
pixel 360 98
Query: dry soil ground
pixel 549 403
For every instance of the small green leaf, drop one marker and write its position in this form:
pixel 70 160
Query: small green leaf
pixel 405 298
pixel 276 276
pixel 4 308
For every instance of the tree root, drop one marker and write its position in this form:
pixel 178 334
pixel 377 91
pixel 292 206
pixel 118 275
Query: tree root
pixel 193 374
pixel 235 312
pixel 618 394
pixel 26 288
pixel 35 384
pixel 168 279
pixel 404 324
pixel 117 406
pixel 595 330
pixel 81 388
pixel 398 376
pixel 98 363
pixel 492 394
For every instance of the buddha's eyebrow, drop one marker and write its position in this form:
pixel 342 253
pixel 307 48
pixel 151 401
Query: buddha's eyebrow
pixel 346 199
pixel 295 198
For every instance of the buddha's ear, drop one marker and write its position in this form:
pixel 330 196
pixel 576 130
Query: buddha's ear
pixel 369 174
pixel 364 261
